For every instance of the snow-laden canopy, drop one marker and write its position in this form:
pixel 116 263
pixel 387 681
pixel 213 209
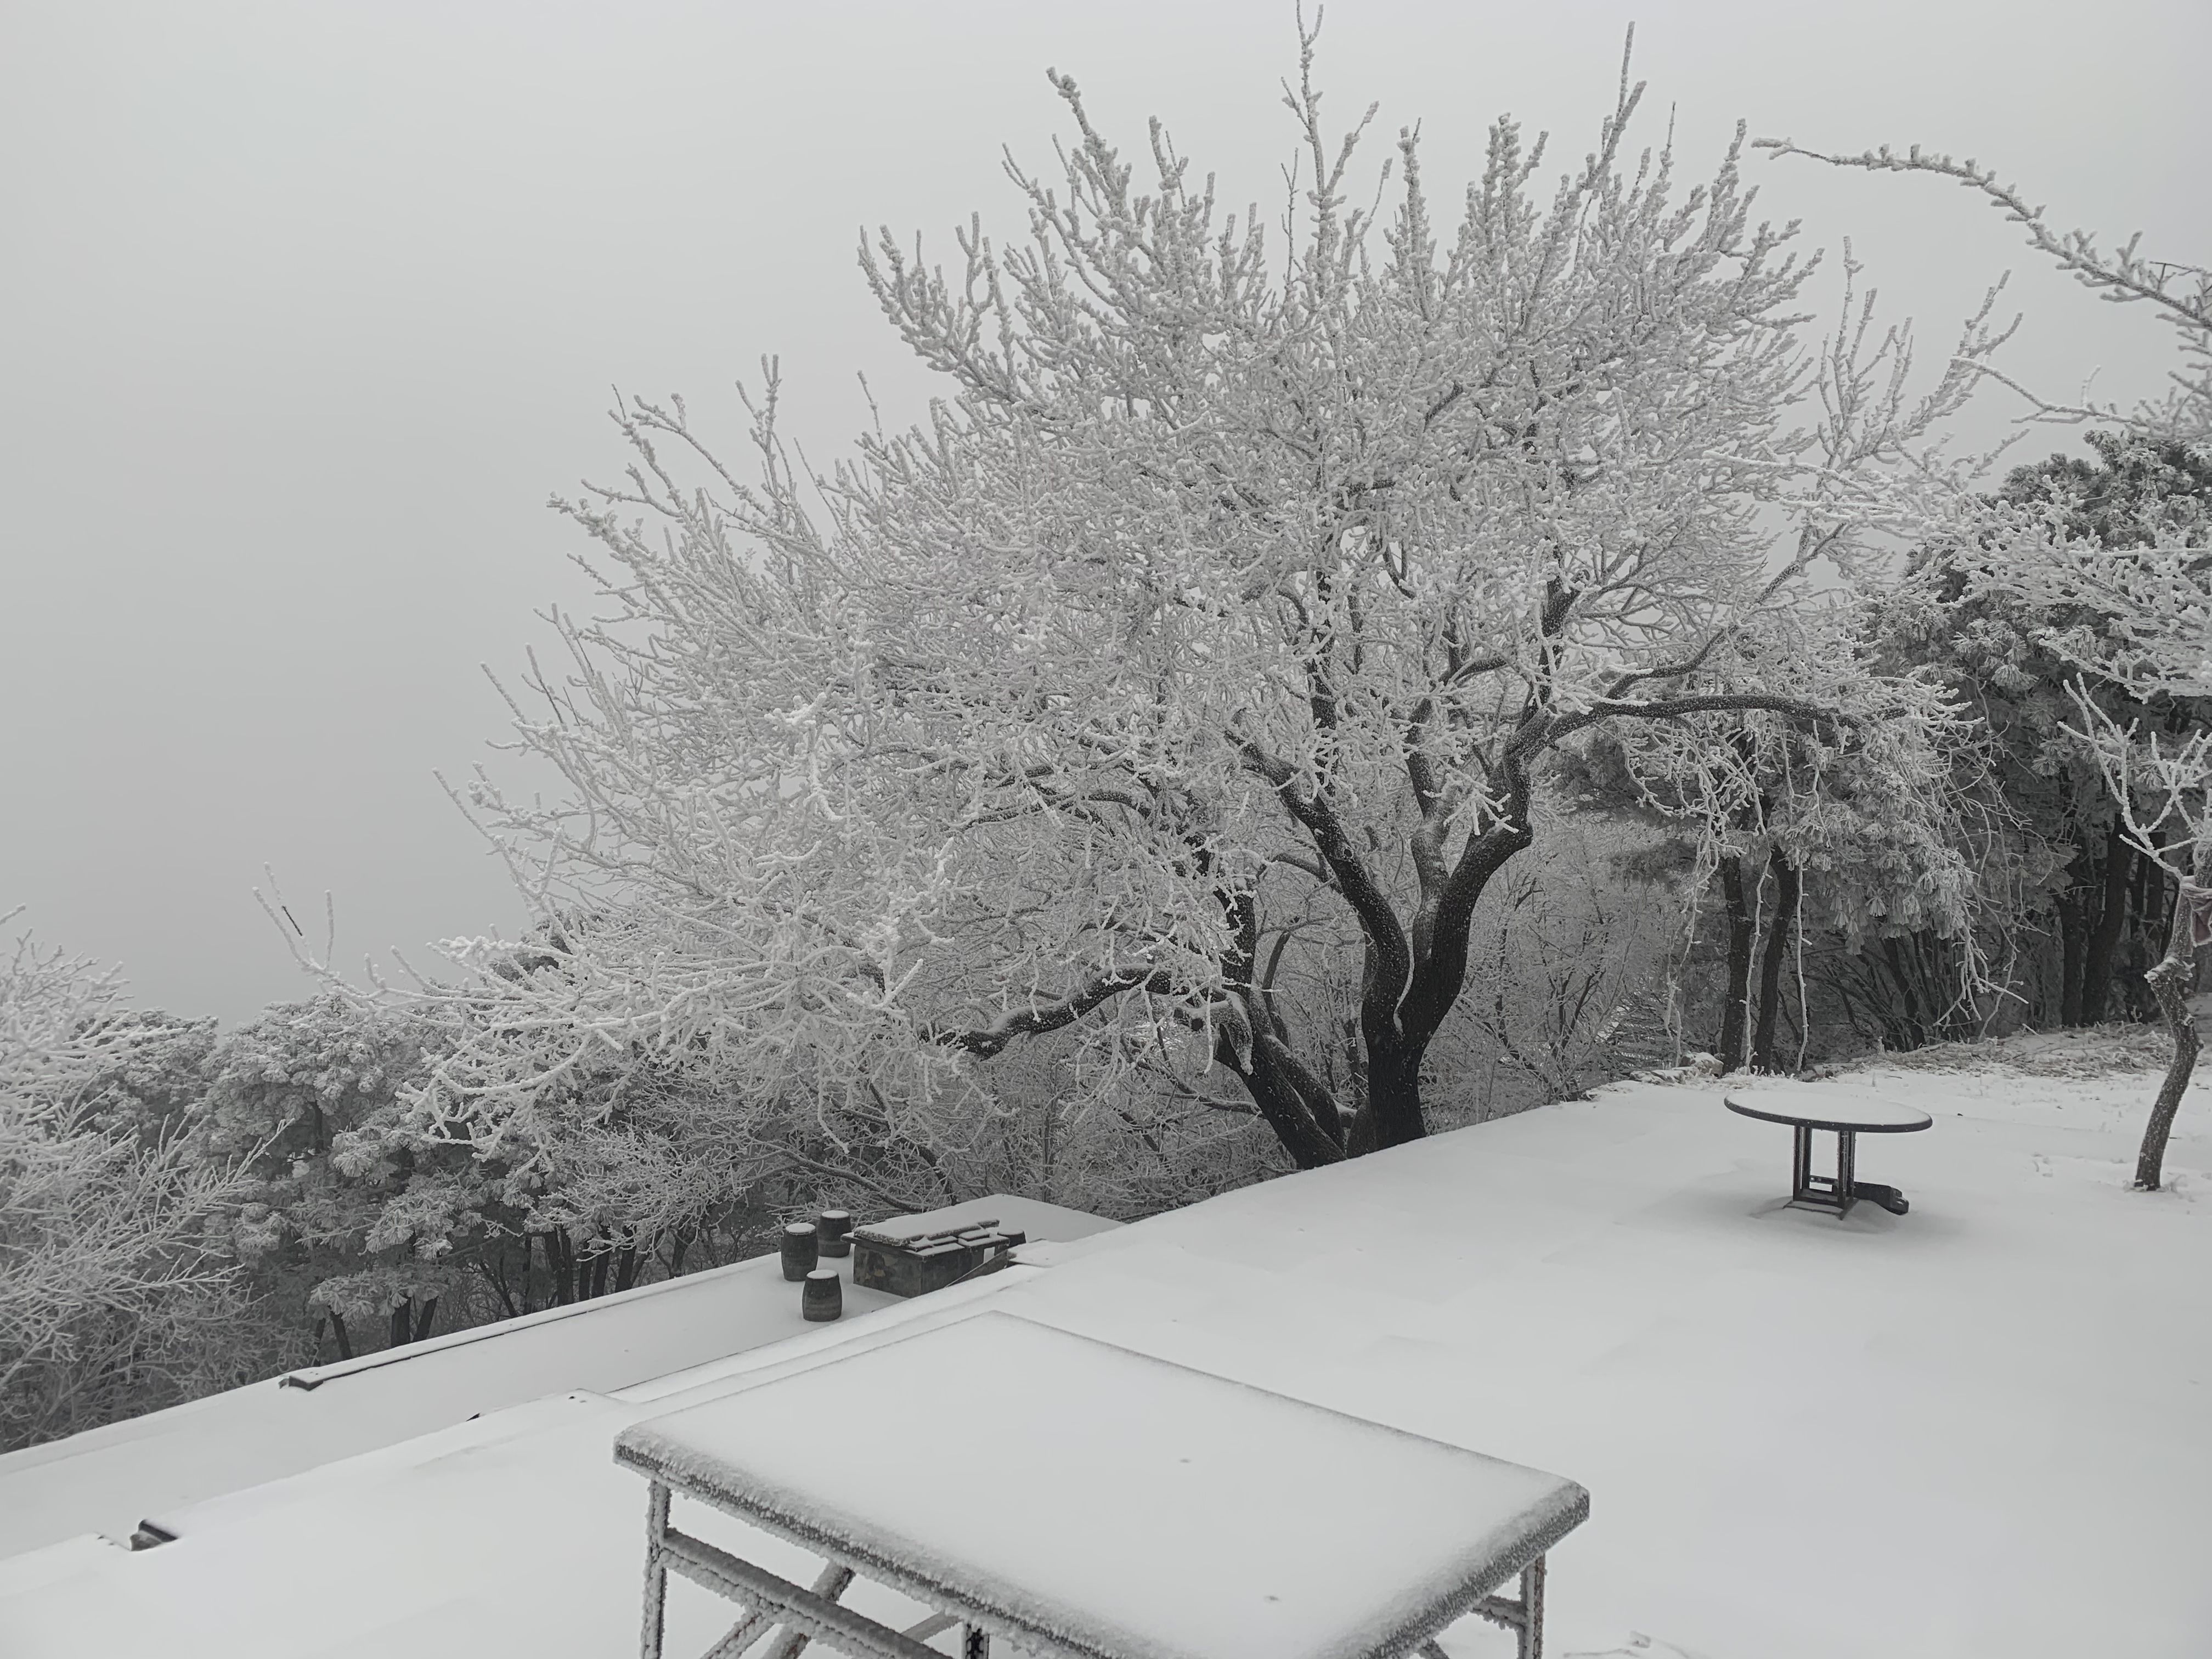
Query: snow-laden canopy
pixel 1222 592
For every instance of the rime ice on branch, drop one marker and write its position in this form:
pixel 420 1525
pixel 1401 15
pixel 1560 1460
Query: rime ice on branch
pixel 1224 588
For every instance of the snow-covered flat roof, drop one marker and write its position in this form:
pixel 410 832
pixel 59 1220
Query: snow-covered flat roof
pixel 1974 1430
pixel 108 1480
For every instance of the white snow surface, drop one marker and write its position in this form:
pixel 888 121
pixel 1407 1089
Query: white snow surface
pixel 1166 1513
pixel 1977 1431
pixel 107 1481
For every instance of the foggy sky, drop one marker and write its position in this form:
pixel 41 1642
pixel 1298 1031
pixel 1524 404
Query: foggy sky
pixel 306 309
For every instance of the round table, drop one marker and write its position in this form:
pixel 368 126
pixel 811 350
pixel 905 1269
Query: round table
pixel 1845 1111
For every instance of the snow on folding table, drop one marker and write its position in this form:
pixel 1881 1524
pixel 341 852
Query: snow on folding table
pixel 1112 1502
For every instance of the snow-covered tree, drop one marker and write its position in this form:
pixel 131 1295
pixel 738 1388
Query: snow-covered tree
pixel 605 1139
pixel 285 1092
pixel 2133 597
pixel 1851 825
pixel 1992 647
pixel 158 1075
pixel 1215 593
pixel 2137 582
pixel 118 1291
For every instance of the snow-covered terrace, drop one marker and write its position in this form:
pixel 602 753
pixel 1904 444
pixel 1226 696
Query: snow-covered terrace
pixel 1981 1429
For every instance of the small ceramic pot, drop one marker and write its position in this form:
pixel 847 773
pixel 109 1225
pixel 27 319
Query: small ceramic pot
pixel 799 1251
pixel 824 1298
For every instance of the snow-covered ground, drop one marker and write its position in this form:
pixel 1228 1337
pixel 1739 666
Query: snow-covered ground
pixel 1980 1429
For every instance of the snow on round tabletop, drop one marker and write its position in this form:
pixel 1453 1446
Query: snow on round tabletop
pixel 1828 1106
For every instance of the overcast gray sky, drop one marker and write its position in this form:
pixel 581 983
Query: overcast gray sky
pixel 305 309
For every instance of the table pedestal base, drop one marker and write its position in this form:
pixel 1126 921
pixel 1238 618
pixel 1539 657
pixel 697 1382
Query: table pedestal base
pixel 1839 1191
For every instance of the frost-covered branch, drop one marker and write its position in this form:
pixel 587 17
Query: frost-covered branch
pixel 1221 577
pixel 2180 293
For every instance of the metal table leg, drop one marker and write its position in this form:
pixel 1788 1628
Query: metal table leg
pixel 807 1615
pixel 656 1571
pixel 1525 1617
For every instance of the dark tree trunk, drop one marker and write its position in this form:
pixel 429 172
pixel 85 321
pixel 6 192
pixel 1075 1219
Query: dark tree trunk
pixel 2171 982
pixel 1296 1104
pixel 339 1330
pixel 1267 1069
pixel 1439 971
pixel 600 1264
pixel 1787 886
pixel 2073 947
pixel 1393 1089
pixel 1355 1069
pixel 1415 969
pixel 1912 1020
pixel 403 1324
pixel 2103 943
pixel 1413 975
pixel 494 1274
pixel 425 1316
pixel 626 1260
pixel 560 1259
pixel 679 1247
pixel 1736 901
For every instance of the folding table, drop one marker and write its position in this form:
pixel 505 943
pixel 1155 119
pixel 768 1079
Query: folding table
pixel 1082 1501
